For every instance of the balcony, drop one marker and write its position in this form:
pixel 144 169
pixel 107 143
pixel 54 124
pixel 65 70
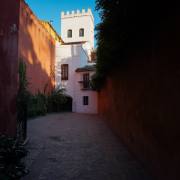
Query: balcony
pixel 85 85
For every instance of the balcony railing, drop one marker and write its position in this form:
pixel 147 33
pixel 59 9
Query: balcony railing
pixel 85 85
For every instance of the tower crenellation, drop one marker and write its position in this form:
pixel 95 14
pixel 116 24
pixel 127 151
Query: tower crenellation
pixel 77 13
pixel 78 26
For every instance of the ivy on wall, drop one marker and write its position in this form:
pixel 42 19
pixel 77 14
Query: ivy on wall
pixel 22 102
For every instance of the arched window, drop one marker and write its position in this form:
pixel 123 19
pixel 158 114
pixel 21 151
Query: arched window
pixel 69 33
pixel 81 32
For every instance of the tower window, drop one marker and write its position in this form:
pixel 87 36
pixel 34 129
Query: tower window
pixel 64 72
pixel 85 100
pixel 81 32
pixel 69 33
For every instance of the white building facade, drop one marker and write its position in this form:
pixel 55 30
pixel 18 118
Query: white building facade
pixel 74 67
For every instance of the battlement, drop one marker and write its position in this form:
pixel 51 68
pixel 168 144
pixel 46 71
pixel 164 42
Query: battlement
pixel 77 13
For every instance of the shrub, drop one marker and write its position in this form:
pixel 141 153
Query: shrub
pixel 56 100
pixel 37 105
pixel 11 155
pixel 41 103
pixel 97 81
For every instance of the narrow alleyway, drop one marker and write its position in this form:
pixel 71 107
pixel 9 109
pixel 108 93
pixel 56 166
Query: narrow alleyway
pixel 71 146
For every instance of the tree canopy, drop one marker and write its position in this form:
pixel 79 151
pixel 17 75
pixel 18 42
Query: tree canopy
pixel 128 26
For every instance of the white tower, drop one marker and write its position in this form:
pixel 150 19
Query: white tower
pixel 74 66
pixel 78 27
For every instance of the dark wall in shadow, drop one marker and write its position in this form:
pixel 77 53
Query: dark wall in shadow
pixel 141 103
pixel 9 21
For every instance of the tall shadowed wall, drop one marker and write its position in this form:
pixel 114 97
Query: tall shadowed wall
pixel 37 49
pixel 140 102
pixel 9 21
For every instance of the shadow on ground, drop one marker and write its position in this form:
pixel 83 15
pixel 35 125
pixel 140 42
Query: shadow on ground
pixel 71 146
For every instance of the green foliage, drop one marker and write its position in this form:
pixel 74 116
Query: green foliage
pixel 41 103
pixel 37 105
pixel 22 76
pixel 30 105
pixel 111 38
pixel 22 99
pixel 11 155
pixel 128 27
pixel 56 100
pixel 97 81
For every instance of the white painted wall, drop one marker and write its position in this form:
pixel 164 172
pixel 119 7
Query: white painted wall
pixel 67 54
pixel 76 56
pixel 92 106
pixel 75 21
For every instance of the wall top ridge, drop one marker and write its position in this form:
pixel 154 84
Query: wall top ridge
pixel 77 13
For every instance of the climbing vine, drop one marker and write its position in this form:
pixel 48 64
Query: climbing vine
pixel 22 102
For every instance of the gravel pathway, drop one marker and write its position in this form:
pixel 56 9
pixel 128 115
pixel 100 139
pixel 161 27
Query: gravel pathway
pixel 70 146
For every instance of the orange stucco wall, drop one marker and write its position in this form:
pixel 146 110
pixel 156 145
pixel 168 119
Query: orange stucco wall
pixel 22 36
pixel 37 49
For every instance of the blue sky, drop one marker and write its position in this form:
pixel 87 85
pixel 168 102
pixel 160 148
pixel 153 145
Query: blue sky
pixel 51 9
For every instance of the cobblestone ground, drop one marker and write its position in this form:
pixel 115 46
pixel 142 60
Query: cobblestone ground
pixel 71 146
